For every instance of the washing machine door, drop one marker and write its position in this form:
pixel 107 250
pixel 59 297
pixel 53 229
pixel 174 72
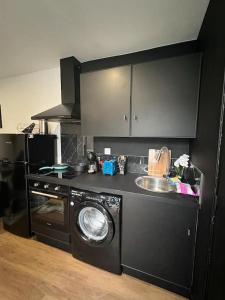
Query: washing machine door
pixel 94 223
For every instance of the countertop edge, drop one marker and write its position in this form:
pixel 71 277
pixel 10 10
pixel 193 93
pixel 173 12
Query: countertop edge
pixel 78 183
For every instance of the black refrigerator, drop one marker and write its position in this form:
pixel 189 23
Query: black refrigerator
pixel 19 155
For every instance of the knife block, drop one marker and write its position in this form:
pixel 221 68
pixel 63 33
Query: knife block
pixel 158 168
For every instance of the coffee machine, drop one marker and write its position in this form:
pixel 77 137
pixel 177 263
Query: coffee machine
pixel 93 163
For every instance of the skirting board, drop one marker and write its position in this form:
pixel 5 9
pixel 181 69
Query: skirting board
pixel 181 290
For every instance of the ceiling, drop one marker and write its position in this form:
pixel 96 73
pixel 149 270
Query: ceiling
pixel 34 35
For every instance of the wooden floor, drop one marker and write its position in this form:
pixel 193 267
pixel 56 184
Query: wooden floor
pixel 34 271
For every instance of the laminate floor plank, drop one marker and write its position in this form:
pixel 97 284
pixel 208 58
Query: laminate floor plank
pixel 30 270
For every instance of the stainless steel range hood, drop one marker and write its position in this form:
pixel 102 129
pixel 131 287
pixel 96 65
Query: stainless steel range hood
pixel 69 110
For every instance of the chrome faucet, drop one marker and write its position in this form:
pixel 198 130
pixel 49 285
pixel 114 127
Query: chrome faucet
pixel 159 153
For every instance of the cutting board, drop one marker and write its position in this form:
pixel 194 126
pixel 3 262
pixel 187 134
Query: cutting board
pixel 158 168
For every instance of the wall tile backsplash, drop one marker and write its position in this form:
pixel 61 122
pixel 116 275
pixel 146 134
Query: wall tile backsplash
pixel 139 146
pixel 69 148
pixel 74 149
pixel 137 164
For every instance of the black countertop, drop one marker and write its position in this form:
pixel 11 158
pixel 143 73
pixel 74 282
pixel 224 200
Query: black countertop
pixel 119 185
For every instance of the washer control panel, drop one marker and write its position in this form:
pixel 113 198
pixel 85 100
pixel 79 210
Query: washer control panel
pixel 102 198
pixel 113 201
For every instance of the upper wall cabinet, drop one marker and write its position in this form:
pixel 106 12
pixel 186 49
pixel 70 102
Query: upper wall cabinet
pixel 165 97
pixel 105 102
pixel 152 99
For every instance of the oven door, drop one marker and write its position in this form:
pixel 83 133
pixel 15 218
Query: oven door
pixel 49 210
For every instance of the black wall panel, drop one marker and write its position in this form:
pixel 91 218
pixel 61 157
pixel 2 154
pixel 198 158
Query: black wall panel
pixel 205 148
pixel 140 146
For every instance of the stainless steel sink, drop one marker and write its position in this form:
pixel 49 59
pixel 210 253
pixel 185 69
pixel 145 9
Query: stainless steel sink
pixel 154 184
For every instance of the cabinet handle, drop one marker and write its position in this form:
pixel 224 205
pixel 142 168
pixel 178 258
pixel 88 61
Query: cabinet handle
pixel 135 117
pixel 125 117
pixel 189 232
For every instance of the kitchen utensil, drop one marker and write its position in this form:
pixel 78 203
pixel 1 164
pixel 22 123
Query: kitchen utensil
pixel 93 163
pixel 122 161
pixel 158 165
pixel 80 167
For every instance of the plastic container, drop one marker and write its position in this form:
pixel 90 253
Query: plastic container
pixel 109 167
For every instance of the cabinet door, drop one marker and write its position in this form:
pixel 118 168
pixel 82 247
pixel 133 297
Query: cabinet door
pixel 105 102
pixel 165 97
pixel 158 238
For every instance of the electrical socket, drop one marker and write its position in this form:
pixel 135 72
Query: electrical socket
pixel 107 151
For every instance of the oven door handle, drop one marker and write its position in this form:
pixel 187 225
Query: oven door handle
pixel 44 194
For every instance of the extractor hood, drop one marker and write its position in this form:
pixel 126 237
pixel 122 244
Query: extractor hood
pixel 69 110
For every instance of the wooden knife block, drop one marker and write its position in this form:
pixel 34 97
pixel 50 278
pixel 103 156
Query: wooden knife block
pixel 158 168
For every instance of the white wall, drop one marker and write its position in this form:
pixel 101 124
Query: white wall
pixel 26 95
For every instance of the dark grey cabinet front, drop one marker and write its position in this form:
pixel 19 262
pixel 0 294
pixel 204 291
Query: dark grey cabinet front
pixel 165 97
pixel 158 240
pixel 105 102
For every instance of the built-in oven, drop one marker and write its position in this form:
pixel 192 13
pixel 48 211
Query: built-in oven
pixel 49 212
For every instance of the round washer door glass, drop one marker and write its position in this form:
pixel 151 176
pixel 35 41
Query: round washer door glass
pixel 93 223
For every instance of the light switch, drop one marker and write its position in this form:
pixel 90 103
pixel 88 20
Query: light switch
pixel 107 151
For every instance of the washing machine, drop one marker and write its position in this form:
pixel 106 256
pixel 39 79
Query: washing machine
pixel 95 224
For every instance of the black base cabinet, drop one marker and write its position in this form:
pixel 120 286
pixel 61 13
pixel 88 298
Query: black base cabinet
pixel 158 241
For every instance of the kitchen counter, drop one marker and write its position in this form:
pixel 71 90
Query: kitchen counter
pixel 119 185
